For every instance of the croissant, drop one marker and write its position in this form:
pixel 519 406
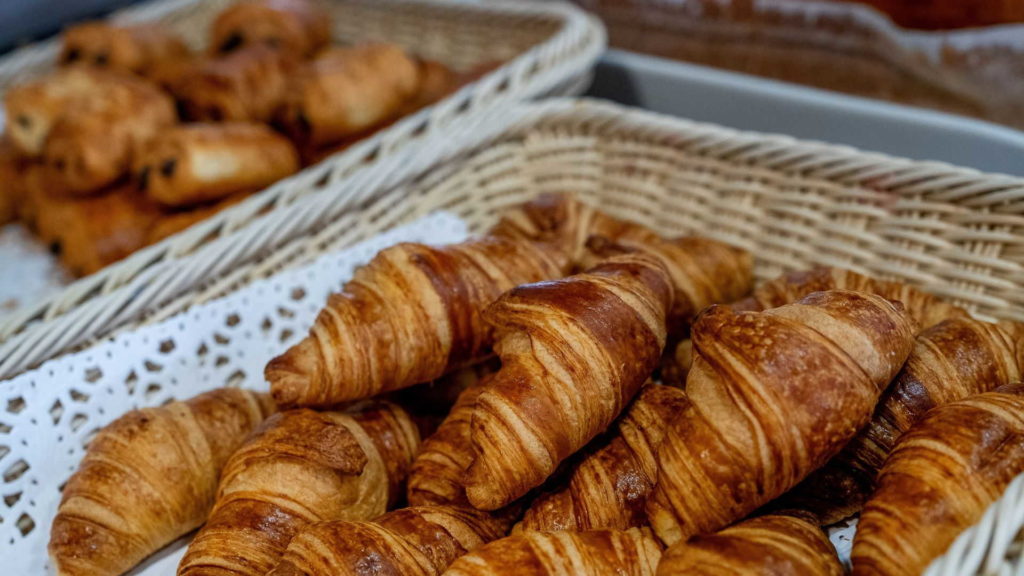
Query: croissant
pixel 430 299
pixel 574 352
pixel 788 288
pixel 610 483
pixel 148 478
pixel 928 310
pixel 774 396
pixel 298 27
pixel 176 168
pixel 703 272
pixel 298 468
pixel 135 49
pixel 562 220
pixel 634 552
pixel 420 541
pixel 952 360
pixel 923 502
pixel 345 91
pixel 777 545
pixel 247 85
pixel 435 477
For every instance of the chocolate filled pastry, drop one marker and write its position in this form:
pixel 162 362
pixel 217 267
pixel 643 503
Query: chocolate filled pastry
pixel 87 234
pixel 136 49
pixel 12 169
pixel 345 91
pixel 200 163
pixel 33 108
pixel 298 27
pixel 93 145
pixel 246 85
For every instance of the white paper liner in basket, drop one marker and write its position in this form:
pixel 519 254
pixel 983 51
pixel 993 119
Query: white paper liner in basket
pixel 50 412
pixel 552 47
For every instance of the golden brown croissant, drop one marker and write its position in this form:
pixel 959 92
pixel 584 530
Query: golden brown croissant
pixel 435 477
pixel 634 552
pixel 609 485
pixel 419 541
pixel 148 478
pixel 301 467
pixel 298 27
pixel 777 545
pixel 136 49
pixel 928 310
pixel 198 163
pixel 33 108
pixel 788 288
pixel 563 220
pixel 703 272
pixel 574 352
pixel 345 91
pixel 774 395
pixel 952 360
pixel 247 85
pixel 430 299
pixel 93 144
pixel 939 480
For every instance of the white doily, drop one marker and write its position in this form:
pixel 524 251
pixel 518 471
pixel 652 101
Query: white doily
pixel 46 415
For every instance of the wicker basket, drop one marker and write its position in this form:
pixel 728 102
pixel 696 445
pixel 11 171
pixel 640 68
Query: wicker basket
pixel 955 232
pixel 549 48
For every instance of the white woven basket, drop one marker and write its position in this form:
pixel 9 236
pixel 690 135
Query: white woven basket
pixel 955 232
pixel 549 47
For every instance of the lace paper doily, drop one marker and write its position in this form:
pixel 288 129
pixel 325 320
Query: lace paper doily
pixel 49 413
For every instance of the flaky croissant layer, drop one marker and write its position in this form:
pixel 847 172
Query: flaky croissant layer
pixel 609 484
pixel 417 541
pixel 777 545
pixel 633 552
pixel 774 396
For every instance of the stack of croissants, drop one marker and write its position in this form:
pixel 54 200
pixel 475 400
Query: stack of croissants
pixel 134 137
pixel 592 399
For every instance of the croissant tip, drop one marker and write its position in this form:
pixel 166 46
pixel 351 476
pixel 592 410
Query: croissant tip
pixel 285 385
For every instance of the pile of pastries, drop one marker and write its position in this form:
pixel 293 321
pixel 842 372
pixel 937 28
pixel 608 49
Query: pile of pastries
pixel 134 137
pixel 573 394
